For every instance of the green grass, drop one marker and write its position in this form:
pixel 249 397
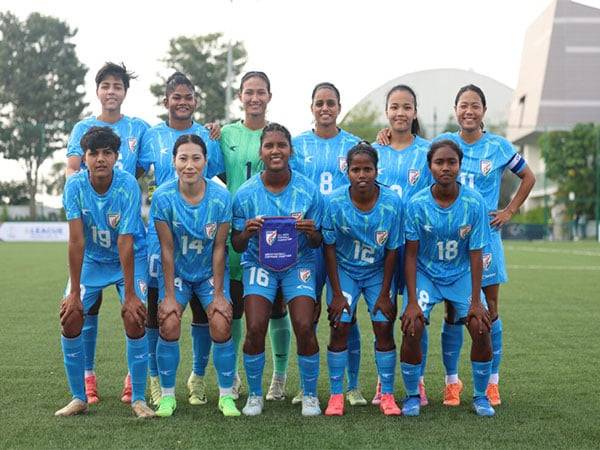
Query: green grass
pixel 551 312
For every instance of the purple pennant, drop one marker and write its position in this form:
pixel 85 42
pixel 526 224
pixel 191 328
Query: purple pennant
pixel 278 243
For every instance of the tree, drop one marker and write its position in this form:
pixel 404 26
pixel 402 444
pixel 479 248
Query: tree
pixel 41 91
pixel 204 60
pixel 362 121
pixel 14 193
pixel 571 159
pixel 55 181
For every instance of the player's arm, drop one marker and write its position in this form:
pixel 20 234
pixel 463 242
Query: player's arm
pixel 503 216
pixel 220 304
pixel 338 301
pixel 477 311
pixel 169 304
pixel 384 302
pixel 72 305
pixel 413 312
pixel 73 165
pixel 240 239
pixel 132 305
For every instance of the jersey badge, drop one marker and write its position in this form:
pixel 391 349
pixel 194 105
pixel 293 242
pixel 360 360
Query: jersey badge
pixel 413 176
pixel 304 275
pixel 464 231
pixel 132 143
pixel 381 237
pixel 428 228
pixel 270 236
pixel 210 229
pixel 297 215
pixel 342 163
pixel 487 260
pixel 486 166
pixel 113 219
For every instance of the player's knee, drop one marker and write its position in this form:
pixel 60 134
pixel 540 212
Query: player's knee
pixel 72 326
pixel 133 330
pixel 384 336
pixel 220 328
pixel 338 341
pixel 170 328
pixel 255 337
pixel 305 337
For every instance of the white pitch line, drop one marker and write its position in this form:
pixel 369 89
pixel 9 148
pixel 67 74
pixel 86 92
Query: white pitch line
pixel 542 267
pixel 553 250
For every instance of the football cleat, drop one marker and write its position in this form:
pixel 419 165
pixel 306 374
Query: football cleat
pixel 335 406
pixel 142 410
pixel 91 390
pixel 126 394
pixel 355 398
pixel 482 407
pixel 155 391
pixel 227 406
pixel 452 393
pixel 411 406
pixel 377 398
pixel 423 394
pixel 298 398
pixel 254 405
pixel 277 388
pixel 310 406
pixel 74 407
pixel 167 406
pixel 492 392
pixel 388 405
pixel 197 390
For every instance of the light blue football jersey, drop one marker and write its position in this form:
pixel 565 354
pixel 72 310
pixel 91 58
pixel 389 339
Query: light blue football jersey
pixel 404 171
pixel 106 216
pixel 361 237
pixel 446 235
pixel 483 164
pixel 323 161
pixel 157 151
pixel 300 199
pixel 131 131
pixel 194 227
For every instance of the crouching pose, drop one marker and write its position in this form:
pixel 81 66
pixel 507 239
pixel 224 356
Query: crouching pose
pixel 192 216
pixel 107 246
pixel 446 228
pixel 362 232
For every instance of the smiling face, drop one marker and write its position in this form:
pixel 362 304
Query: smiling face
pixel 325 107
pixel 181 103
pixel 275 151
pixel 445 165
pixel 401 111
pixel 362 172
pixel 470 111
pixel 111 93
pixel 255 96
pixel 189 162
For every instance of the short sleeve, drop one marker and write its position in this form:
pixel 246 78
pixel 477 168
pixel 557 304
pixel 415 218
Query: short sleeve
pixel 74 144
pixel 158 207
pixel 328 227
pixel 70 199
pixel 396 238
pixel 216 165
pixel 315 210
pixel 227 211
pixel 145 158
pixel 480 233
pixel 411 232
pixel 130 222
pixel 239 216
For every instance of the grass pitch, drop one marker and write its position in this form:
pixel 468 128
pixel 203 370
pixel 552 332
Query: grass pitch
pixel 550 309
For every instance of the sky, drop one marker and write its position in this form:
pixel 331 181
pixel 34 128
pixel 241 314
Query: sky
pixel 356 45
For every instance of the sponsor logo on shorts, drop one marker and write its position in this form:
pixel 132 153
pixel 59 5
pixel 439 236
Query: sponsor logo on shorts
pixel 297 215
pixel 486 166
pixel 304 275
pixel 113 219
pixel 428 228
pixel 211 281
pixel 464 231
pixel 270 236
pixel 487 260
pixel 381 237
pixel 143 286
pixel 132 143
pixel 210 229
pixel 413 176
pixel 342 163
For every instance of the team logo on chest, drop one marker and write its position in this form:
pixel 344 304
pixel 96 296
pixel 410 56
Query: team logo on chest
pixel 297 215
pixel 342 163
pixel 486 166
pixel 487 260
pixel 413 176
pixel 381 237
pixel 270 236
pixel 113 219
pixel 304 275
pixel 132 143
pixel 464 231
pixel 142 286
pixel 210 229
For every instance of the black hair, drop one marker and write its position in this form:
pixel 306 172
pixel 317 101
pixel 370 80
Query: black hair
pixel 415 128
pixel 100 137
pixel 362 148
pixel 272 127
pixel 444 143
pixel 326 85
pixel 258 74
pixel 117 71
pixel 189 139
pixel 175 80
pixel 473 88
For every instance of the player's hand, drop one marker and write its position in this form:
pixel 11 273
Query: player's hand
pixel 134 310
pixel 339 303
pixel 167 307
pixel 412 315
pixel 386 306
pixel 215 130
pixel 70 307
pixel 481 315
pixel 221 306
pixel 306 225
pixel 253 226
pixel 500 217
pixel 384 136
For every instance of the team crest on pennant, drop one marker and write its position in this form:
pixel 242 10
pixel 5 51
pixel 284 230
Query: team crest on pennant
pixel 132 143
pixel 113 219
pixel 297 215
pixel 143 286
pixel 304 275
pixel 342 163
pixel 210 229
pixel 486 166
pixel 464 231
pixel 487 260
pixel 381 237
pixel 270 236
pixel 413 176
